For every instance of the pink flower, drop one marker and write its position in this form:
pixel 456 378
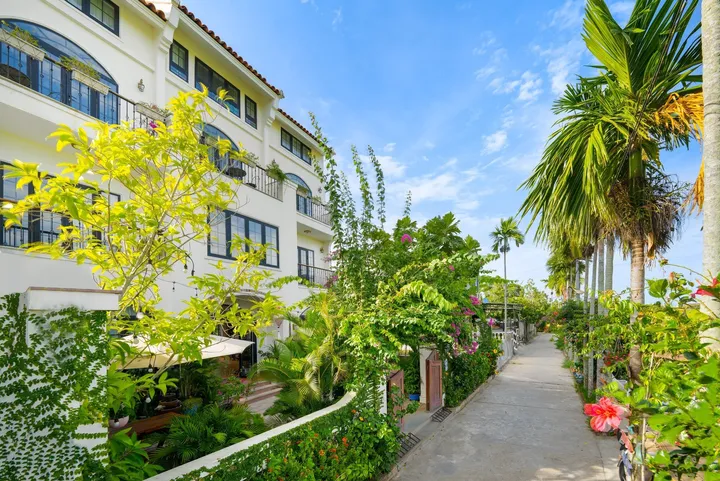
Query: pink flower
pixel 605 415
pixel 451 267
pixel 468 312
pixel 491 321
pixel 406 238
pixel 705 292
pixel 475 301
pixel 152 125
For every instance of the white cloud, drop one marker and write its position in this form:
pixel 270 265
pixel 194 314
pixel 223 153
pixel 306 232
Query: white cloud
pixel 429 145
pixel 523 163
pixel 569 15
pixel 562 63
pixel 484 72
pixel 391 167
pixel 621 8
pixel 425 158
pixel 337 17
pixel 494 142
pixel 530 88
pixel 389 147
pixel 470 204
pixel 499 55
pixel 502 86
pixel 487 40
pixel 508 119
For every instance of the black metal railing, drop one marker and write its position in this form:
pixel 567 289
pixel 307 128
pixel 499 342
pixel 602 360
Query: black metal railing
pixel 316 210
pixel 317 275
pixel 51 79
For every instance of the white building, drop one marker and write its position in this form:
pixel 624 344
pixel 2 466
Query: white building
pixel 147 53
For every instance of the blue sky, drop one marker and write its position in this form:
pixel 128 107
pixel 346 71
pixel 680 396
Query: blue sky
pixel 454 96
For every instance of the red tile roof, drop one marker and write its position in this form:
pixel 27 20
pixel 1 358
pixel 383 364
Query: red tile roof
pixel 232 52
pixel 154 9
pixel 299 125
pixel 229 49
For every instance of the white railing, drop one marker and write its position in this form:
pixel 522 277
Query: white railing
pixel 212 460
pixel 506 344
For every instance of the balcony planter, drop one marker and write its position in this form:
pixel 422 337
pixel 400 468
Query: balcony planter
pixel 275 172
pixel 153 112
pixel 84 74
pixel 236 172
pixel 24 46
pixel 119 423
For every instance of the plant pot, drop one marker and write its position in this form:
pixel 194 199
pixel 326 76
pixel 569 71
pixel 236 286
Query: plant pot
pixel 119 423
pixel 236 172
pixel 90 82
pixel 414 397
pixel 152 113
pixel 27 48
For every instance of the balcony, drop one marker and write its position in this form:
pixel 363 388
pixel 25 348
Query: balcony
pixel 311 208
pixel 316 275
pixel 53 80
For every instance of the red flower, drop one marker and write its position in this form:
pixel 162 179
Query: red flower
pixel 605 415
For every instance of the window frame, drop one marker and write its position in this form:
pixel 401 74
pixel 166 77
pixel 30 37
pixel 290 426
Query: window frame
pixel 186 74
pixel 228 214
pixel 227 86
pixel 303 147
pixel 251 121
pixel 34 229
pixel 85 8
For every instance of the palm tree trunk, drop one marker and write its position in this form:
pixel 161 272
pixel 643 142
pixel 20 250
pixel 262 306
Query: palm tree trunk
pixel 593 287
pixel 711 143
pixel 577 279
pixel 637 271
pixel 601 274
pixel 587 284
pixel 609 257
pixel 505 285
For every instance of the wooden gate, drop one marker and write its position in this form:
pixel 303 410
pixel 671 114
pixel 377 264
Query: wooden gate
pixel 397 379
pixel 433 371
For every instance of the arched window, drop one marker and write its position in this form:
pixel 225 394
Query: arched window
pixel 211 135
pixel 300 183
pixel 51 78
pixel 303 199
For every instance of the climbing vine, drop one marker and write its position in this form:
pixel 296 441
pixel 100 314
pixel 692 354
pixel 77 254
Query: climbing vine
pixel 53 401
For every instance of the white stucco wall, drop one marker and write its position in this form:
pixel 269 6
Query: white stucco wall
pixel 140 52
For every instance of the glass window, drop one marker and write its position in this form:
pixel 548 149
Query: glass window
pixel 217 244
pixel 271 240
pixel 212 135
pixel 104 12
pixel 250 112
pixel 295 146
pixel 179 60
pixel 255 231
pixel 215 82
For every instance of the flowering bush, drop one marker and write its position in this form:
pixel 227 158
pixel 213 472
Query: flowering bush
pixel 605 415
pixel 469 369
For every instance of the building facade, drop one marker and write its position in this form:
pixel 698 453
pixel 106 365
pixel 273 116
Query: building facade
pixel 145 53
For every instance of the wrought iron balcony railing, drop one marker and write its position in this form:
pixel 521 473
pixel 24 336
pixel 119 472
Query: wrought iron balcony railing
pixel 316 275
pixel 316 210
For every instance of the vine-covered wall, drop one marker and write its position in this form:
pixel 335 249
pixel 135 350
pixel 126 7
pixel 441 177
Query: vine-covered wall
pixel 52 393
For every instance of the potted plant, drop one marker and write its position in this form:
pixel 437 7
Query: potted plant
pixel 302 191
pixel 275 172
pixel 84 74
pixel 153 112
pixel 22 40
pixel 119 417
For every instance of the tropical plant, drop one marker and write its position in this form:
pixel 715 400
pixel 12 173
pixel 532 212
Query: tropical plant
pixel 128 458
pixel 503 235
pixel 613 126
pixel 74 63
pixel 211 429
pixel 20 33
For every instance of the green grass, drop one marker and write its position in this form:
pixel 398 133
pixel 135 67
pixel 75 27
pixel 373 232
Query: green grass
pixel 567 364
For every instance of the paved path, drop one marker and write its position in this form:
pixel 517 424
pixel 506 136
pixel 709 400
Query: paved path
pixel 526 425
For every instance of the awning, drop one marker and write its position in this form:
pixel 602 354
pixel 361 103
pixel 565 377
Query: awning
pixel 158 356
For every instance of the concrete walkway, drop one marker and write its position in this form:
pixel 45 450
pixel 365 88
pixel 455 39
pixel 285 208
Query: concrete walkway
pixel 526 425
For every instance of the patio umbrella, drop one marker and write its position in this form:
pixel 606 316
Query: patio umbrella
pixel 159 355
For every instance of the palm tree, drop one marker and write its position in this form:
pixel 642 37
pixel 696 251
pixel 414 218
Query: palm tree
pixel 503 234
pixel 711 87
pixel 614 125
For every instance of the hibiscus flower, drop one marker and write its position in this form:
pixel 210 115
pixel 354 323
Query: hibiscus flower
pixel 406 238
pixel 605 415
